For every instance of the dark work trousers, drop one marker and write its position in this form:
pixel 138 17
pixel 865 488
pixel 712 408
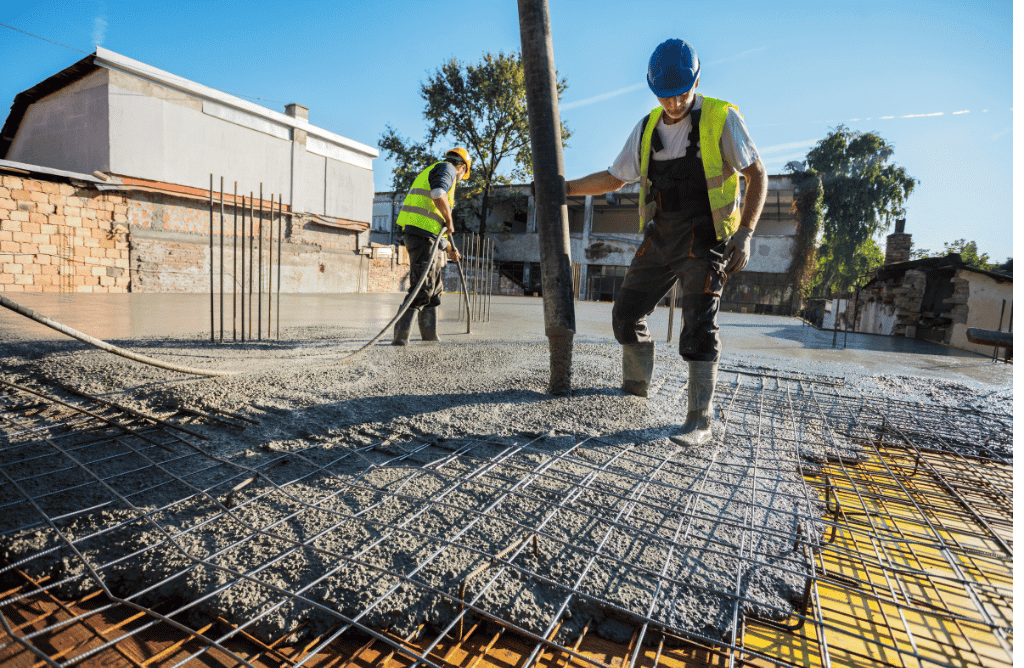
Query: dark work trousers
pixel 680 246
pixel 683 249
pixel 420 261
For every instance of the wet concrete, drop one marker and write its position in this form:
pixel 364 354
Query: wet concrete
pixel 133 316
pixel 478 395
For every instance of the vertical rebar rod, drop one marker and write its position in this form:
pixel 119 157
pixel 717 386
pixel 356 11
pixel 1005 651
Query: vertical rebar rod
pixel 234 268
pixel 270 266
pixel 211 260
pixel 995 349
pixel 241 283
pixel 252 229
pixel 462 245
pixel 476 277
pixel 280 227
pixel 222 259
pixel 671 310
pixel 490 280
pixel 259 277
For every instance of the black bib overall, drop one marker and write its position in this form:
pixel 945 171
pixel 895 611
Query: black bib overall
pixel 680 244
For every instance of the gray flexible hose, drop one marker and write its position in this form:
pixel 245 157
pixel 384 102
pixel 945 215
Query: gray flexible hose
pixel 407 302
pixel 103 345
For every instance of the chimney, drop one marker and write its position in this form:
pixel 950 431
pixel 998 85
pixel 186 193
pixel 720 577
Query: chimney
pixel 897 244
pixel 297 111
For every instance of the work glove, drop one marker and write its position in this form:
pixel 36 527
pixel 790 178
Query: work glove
pixel 737 253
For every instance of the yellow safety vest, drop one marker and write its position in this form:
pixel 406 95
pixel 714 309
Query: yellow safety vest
pixel 723 181
pixel 419 209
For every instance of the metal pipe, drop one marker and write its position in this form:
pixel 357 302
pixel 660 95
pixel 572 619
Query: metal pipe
pixel 211 259
pixel 252 229
pixel 995 349
pixel 222 259
pixel 552 214
pixel 270 266
pixel 280 227
pixel 241 283
pixel 234 268
pixel 259 279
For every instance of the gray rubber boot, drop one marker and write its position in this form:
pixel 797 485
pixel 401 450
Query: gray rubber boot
pixel 428 323
pixel 637 367
pixel 402 328
pixel 699 416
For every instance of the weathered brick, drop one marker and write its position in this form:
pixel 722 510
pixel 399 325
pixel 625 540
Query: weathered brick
pixel 50 270
pixel 91 242
pixel 11 268
pixel 32 185
pixel 22 279
pixel 39 198
pixel 98 252
pixel 6 236
pixel 11 225
pixel 49 228
pixel 29 247
pixel 35 224
pixel 48 248
pixel 19 215
pixel 21 195
pixel 75 211
pixel 12 182
pixel 57 200
pixel 50 188
pixel 72 220
pixel 6 279
pixel 42 279
pixel 107 281
pixel 66 189
pixel 22 237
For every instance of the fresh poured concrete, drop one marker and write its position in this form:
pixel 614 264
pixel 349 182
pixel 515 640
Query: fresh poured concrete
pixel 467 400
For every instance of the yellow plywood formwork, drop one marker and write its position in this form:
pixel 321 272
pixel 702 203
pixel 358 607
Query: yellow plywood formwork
pixel 913 570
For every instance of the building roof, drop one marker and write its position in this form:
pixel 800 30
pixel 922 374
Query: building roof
pixel 104 58
pixel 951 261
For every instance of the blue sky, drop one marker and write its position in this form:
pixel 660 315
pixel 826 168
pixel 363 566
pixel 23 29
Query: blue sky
pixel 933 78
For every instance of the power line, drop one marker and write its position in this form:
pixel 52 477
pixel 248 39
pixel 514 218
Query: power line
pixel 44 39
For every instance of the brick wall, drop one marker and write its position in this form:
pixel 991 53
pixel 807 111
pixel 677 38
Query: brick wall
pixel 55 237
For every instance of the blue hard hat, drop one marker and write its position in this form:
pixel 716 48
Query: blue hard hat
pixel 673 69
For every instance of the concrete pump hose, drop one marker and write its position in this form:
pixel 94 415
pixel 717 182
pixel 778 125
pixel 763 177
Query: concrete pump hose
pixel 103 345
pixel 406 304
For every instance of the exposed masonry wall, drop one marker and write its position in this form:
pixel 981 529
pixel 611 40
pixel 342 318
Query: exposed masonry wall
pixel 55 237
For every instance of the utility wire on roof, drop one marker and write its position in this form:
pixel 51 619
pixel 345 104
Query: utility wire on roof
pixel 261 99
pixel 44 39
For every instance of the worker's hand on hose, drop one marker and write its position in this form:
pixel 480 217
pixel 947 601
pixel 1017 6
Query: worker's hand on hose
pixel 737 252
pixel 453 253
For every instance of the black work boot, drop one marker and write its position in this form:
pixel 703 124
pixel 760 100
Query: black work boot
pixel 428 323
pixel 637 367
pixel 700 391
pixel 402 328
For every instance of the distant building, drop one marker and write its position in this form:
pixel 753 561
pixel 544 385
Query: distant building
pixel 935 299
pixel 604 236
pixel 157 138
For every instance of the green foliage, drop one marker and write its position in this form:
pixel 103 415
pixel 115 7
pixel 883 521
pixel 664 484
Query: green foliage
pixel 862 195
pixel 968 252
pixel 479 106
pixel 844 275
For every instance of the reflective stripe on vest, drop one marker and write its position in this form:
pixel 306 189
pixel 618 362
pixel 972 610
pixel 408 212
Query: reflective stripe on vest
pixel 723 181
pixel 419 209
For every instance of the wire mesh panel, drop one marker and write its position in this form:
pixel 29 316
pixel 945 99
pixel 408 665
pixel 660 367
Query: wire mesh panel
pixel 825 527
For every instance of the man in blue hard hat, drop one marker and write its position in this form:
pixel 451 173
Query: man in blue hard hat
pixel 687 155
pixel 426 213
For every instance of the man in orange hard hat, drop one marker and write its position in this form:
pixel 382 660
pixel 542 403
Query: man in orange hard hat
pixel 426 213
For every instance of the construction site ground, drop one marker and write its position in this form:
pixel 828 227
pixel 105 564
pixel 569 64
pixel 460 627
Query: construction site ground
pixel 433 504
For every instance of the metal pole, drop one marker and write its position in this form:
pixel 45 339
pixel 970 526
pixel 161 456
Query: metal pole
pixel 995 349
pixel 252 228
pixel 280 227
pixel 234 269
pixel 270 266
pixel 671 310
pixel 222 259
pixel 259 280
pixel 462 245
pixel 475 266
pixel 241 283
pixel 490 277
pixel 211 260
pixel 549 177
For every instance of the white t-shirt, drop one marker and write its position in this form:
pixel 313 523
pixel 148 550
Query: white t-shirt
pixel 736 145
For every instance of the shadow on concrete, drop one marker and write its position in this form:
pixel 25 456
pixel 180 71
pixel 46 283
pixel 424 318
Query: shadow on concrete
pixel 822 340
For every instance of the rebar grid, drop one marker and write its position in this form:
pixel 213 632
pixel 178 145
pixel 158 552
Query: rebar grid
pixel 906 563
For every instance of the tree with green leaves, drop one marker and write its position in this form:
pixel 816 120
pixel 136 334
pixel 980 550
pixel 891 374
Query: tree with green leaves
pixel 861 195
pixel 968 252
pixel 479 106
